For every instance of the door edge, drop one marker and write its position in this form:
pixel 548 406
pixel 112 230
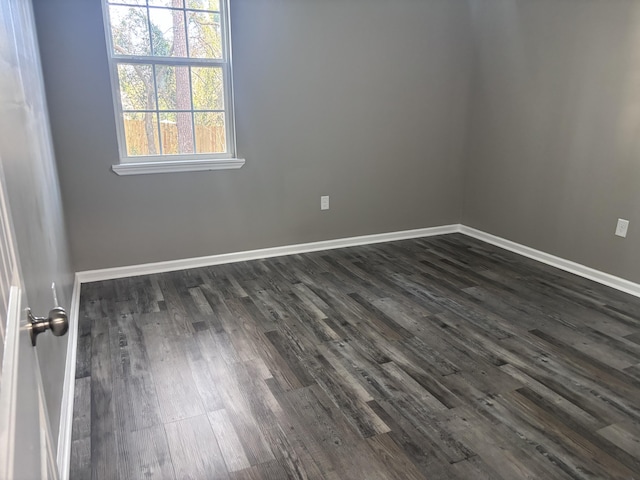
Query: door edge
pixel 63 456
pixel 9 381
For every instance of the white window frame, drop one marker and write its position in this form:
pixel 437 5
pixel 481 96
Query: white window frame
pixel 142 164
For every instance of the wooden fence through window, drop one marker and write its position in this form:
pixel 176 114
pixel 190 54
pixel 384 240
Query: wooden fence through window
pixel 209 139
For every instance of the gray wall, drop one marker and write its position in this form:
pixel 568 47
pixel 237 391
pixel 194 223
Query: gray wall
pixel 554 146
pixel 369 101
pixel 362 100
pixel 33 192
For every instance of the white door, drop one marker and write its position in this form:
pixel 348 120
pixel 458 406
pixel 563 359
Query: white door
pixel 25 438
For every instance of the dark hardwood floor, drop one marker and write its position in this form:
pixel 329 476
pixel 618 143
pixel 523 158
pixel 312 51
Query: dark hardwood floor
pixel 438 358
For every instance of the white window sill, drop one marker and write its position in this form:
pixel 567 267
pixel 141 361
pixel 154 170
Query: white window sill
pixel 143 168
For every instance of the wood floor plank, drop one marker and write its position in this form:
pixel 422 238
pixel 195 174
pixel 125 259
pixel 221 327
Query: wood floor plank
pixel 500 448
pixel 176 389
pixel 395 460
pixel 532 398
pixel 80 462
pixel 633 370
pixel 204 377
pixel 437 441
pixel 129 348
pixel 610 460
pixel 265 471
pixel 344 451
pixel 81 427
pixel 246 426
pixel 593 367
pixel 626 436
pixel 568 450
pixel 194 449
pixel 413 388
pixel 588 395
pixel 180 322
pixel 286 447
pixel 345 396
pixel 228 441
pixel 144 454
pixel 136 402
pixel 417 446
pixel 570 409
pixel 103 423
pixel 293 373
pixel 475 468
pixel 83 359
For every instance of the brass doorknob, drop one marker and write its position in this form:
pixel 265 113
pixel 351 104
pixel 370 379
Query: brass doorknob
pixel 58 323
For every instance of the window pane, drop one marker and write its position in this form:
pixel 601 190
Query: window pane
pixel 168 32
pixel 136 87
pixel 174 90
pixel 210 132
pixel 177 132
pixel 129 30
pixel 208 92
pixel 129 2
pixel 204 5
pixel 141 133
pixel 205 37
pixel 169 132
pixel 167 3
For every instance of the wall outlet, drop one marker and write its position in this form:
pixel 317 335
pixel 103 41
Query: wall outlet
pixel 324 202
pixel 622 227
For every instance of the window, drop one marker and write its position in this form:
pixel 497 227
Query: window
pixel 170 64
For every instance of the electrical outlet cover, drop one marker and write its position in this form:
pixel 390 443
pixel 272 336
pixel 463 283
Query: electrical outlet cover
pixel 622 227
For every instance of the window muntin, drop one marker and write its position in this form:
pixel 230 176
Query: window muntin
pixel 171 77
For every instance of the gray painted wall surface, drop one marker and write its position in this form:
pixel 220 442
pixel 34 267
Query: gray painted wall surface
pixel 33 191
pixel 554 146
pixel 367 101
pixel 362 100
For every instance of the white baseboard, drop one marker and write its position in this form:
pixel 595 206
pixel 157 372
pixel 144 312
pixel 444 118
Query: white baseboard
pixel 173 265
pixel 68 389
pixel 182 264
pixel 558 262
pixel 66 418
